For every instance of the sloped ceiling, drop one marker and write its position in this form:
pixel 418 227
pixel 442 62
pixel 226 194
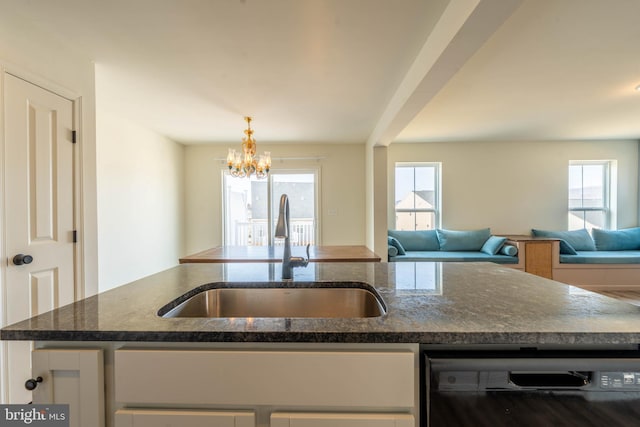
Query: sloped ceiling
pixel 356 71
pixel 556 70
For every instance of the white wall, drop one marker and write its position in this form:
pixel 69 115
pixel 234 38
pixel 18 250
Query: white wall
pixel 515 186
pixel 140 201
pixel 342 184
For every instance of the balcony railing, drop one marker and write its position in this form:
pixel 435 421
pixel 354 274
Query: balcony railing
pixel 255 233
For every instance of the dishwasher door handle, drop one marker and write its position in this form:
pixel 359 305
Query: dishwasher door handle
pixel 550 380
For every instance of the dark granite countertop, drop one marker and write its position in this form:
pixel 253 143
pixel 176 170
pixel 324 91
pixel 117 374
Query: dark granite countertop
pixel 428 303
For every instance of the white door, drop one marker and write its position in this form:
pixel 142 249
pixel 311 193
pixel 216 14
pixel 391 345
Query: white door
pixel 38 164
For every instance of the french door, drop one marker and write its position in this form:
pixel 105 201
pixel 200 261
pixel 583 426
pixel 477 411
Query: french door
pixel 251 208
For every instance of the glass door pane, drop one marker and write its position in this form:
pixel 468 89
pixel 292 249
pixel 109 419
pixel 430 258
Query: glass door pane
pixel 301 190
pixel 245 212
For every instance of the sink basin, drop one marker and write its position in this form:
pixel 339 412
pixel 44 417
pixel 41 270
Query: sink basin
pixel 273 299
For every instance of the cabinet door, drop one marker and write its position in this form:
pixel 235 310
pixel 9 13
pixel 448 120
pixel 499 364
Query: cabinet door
pixel 73 377
pixel 538 259
pixel 284 419
pixel 183 418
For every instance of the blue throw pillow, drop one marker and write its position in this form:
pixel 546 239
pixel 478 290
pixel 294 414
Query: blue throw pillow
pixel 492 245
pixel 509 250
pixel 627 239
pixel 571 241
pixel 453 240
pixel 392 241
pixel 418 240
pixel 567 249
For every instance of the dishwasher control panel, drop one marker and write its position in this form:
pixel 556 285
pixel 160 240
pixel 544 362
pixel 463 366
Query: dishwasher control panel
pixel 619 380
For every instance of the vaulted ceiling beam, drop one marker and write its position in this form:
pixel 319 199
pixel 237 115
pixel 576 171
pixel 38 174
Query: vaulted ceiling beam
pixel 465 25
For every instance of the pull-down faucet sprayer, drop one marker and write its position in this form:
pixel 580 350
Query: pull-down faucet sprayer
pixel 283 230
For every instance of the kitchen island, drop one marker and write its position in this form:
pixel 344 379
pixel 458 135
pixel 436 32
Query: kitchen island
pixel 272 371
pixel 427 303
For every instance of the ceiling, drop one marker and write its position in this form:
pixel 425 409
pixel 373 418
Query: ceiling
pixel 356 71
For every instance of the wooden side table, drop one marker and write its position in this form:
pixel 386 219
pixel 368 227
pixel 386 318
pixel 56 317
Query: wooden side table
pixel 538 252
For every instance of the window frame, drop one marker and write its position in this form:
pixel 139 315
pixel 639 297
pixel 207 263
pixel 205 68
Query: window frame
pixel 437 184
pixel 607 196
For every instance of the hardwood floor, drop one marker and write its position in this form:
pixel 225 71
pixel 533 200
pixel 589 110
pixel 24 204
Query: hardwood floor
pixel 632 297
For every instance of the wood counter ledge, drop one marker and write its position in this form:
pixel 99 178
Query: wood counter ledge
pixel 234 254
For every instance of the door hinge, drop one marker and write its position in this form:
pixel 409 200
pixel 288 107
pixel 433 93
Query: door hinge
pixel 74 136
pixel 75 236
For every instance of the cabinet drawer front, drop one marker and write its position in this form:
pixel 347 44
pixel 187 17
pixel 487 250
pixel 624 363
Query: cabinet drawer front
pixel 340 420
pixel 183 418
pixel 316 378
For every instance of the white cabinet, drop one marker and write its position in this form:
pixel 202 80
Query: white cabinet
pixel 340 420
pixel 213 385
pixel 286 388
pixel 74 377
pixel 183 418
pixel 337 379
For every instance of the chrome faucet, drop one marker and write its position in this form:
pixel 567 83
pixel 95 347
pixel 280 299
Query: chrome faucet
pixel 283 231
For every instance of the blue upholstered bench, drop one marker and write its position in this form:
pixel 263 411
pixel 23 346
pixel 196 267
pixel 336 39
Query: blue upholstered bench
pixel 604 259
pixel 451 246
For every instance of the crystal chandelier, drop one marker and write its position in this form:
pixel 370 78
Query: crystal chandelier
pixel 245 163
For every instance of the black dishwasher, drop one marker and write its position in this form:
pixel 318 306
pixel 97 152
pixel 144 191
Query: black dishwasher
pixel 531 388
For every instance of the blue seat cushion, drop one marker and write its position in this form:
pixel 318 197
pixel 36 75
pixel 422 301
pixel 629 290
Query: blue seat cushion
pixel 418 240
pixel 458 256
pixel 627 239
pixel 602 257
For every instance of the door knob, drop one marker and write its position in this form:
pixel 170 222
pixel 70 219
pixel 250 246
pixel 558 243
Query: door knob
pixel 22 259
pixel 32 383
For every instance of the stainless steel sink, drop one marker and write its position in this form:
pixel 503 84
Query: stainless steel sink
pixel 310 300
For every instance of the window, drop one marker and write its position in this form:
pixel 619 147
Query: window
pixel 417 196
pixel 251 208
pixel 589 187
